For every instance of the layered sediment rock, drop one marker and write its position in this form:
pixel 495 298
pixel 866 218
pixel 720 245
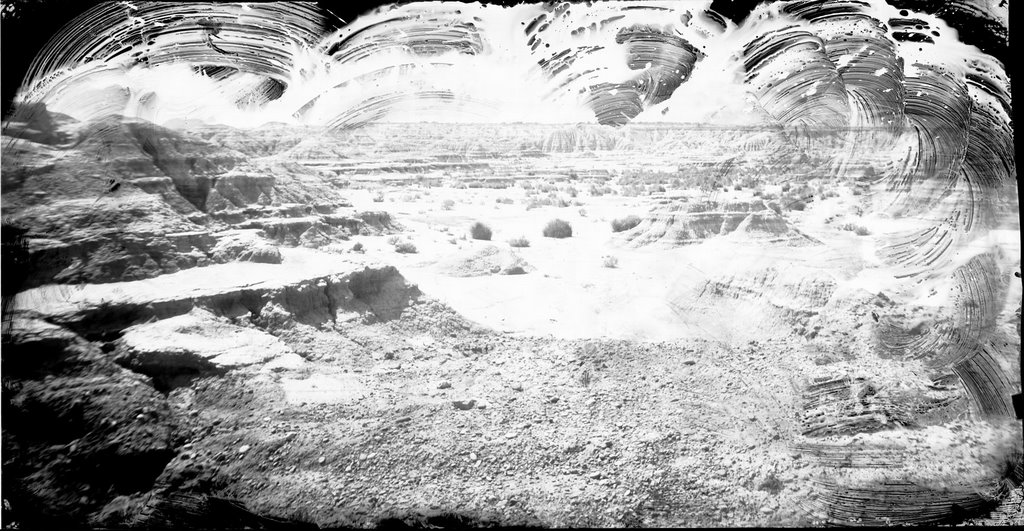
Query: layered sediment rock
pixel 677 223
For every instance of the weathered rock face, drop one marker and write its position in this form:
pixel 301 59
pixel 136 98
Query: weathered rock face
pixel 93 413
pixel 125 200
pixel 78 429
pixel 674 223
pixel 196 343
pixel 245 246
pixel 258 188
pixel 127 237
pixel 33 122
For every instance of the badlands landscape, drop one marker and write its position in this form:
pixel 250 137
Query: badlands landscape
pixel 286 329
pixel 617 264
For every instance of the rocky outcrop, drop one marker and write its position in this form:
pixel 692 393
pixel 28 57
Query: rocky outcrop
pixel 198 342
pixel 336 291
pixel 78 430
pixel 489 260
pixel 676 223
pixel 245 246
pixel 125 237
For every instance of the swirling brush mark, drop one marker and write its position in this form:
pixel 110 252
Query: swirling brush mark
pixel 969 344
pixel 417 38
pixel 663 57
pixel 257 38
pixel 793 79
pixel 412 33
pixel 871 70
pixel 960 170
pixel 926 179
pixel 866 60
pixel 666 61
pixel 950 339
pixel 230 39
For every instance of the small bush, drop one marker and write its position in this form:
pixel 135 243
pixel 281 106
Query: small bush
pixel 626 223
pixel 610 261
pixel 558 228
pixel 519 242
pixel 393 239
pixel 357 248
pixel 405 248
pixel 859 230
pixel 379 197
pixel 448 204
pixel 479 231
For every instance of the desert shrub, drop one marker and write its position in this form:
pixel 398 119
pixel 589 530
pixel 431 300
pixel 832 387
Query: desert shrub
pixel 405 247
pixel 737 187
pixel 558 228
pixel 572 191
pixel 448 204
pixel 519 242
pixel 859 230
pixel 583 212
pixel 504 200
pixel 479 231
pixel 378 197
pixel 358 247
pixel 610 261
pixel 785 187
pixel 393 239
pixel 626 223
